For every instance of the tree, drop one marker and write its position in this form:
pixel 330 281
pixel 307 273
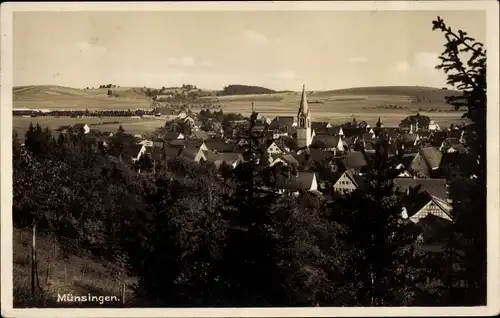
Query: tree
pixel 378 241
pixel 466 283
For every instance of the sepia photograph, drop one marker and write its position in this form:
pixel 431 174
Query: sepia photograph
pixel 210 159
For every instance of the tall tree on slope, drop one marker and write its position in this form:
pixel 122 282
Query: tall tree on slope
pixel 466 283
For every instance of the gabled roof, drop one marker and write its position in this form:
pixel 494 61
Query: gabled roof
pixel 415 202
pixel 228 157
pixel 435 187
pixel 290 159
pixel 432 156
pixel 135 149
pixel 200 134
pixel 302 181
pixel 189 153
pixel 184 143
pixel 355 160
pixel 356 179
pixel 171 135
pixel 325 141
pixel 78 126
pixel 353 131
pixel 219 145
pixel 282 121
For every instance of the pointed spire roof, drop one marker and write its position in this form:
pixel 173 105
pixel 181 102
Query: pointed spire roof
pixel 304 108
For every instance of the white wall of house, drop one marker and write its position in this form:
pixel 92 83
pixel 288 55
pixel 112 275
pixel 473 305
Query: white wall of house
pixel 274 149
pixel 314 183
pixel 430 208
pixel 344 185
pixel 141 152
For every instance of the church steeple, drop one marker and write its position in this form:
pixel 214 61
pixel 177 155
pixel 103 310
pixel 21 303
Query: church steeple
pixel 304 134
pixel 304 108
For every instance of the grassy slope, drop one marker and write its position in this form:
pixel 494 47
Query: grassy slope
pixel 84 275
pixel 54 97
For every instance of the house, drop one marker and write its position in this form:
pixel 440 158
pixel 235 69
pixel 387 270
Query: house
pixel 283 123
pixel 295 183
pixel 193 154
pixel 200 134
pixel 197 144
pixel 187 153
pixel 425 162
pixel 437 188
pixel 137 152
pixel 420 205
pixel 437 137
pixel 273 148
pixel 231 159
pixel 156 152
pixel 315 159
pixel 146 143
pixel 452 145
pixel 219 145
pixel 347 183
pixel 189 120
pixel 433 126
pixel 286 160
pixel 404 162
pixel 172 135
pixel 423 198
pixel 354 161
pixel 328 142
pixel 84 128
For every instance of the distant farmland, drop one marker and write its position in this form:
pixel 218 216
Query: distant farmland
pixel 391 104
pixel 111 124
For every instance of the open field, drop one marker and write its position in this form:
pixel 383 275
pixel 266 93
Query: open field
pixel 58 97
pixel 111 124
pixel 391 104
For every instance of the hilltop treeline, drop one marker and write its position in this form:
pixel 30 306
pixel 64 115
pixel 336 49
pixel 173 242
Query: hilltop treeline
pixel 244 90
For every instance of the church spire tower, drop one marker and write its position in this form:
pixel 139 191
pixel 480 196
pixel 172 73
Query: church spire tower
pixel 304 135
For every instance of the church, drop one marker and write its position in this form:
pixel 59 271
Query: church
pixel 304 133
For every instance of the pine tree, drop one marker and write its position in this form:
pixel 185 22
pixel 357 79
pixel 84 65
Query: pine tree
pixel 465 275
pixel 379 242
pixel 249 268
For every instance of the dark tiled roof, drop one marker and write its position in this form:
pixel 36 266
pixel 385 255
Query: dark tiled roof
pixel 435 187
pixel 78 126
pixel 415 202
pixel 200 134
pixel 301 182
pixel 228 157
pixel 135 149
pixel 325 141
pixel 355 160
pixel 219 145
pixel 170 135
pixel 184 143
pixel 432 156
pixel 326 131
pixel 282 121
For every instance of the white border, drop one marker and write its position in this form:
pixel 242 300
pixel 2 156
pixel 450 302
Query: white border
pixel 493 219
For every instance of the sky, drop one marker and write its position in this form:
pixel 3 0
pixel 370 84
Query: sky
pixel 276 49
